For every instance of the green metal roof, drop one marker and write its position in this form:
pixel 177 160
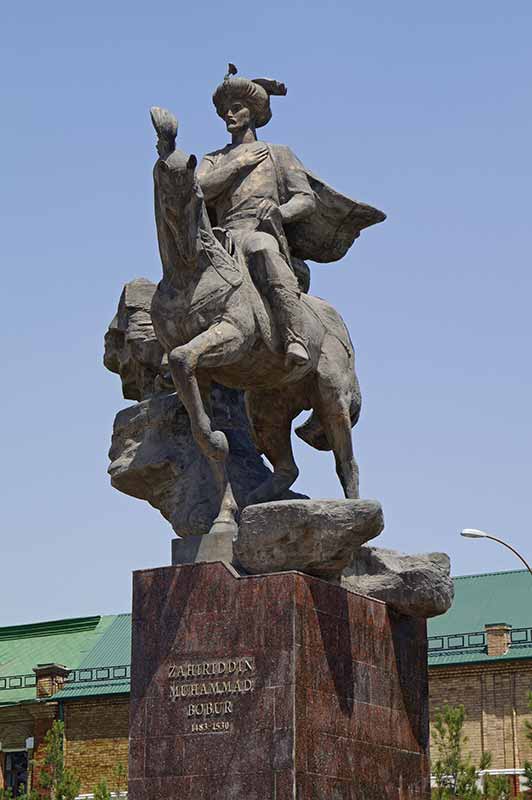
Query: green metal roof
pixel 22 647
pixel 458 636
pixel 106 667
pixel 40 629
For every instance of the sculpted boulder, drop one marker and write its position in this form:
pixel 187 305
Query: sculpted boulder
pixel 417 585
pixel 319 537
pixel 131 347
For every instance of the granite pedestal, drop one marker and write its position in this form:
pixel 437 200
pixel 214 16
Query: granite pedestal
pixel 273 687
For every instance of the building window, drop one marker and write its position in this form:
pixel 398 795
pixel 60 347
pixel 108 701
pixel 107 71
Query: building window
pixel 16 772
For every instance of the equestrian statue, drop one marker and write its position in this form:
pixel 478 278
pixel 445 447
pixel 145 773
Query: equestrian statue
pixel 232 307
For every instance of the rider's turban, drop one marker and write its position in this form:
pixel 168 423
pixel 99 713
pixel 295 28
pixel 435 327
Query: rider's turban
pixel 253 93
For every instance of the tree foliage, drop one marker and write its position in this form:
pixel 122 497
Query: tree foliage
pixel 455 774
pixel 6 794
pixel 528 733
pixel 102 791
pixel 59 782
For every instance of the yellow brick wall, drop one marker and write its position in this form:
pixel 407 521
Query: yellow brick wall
pixel 96 733
pixel 495 700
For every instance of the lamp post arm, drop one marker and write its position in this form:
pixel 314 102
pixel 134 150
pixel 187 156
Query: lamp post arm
pixel 509 546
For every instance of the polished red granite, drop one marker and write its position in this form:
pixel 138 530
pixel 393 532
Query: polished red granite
pixel 273 687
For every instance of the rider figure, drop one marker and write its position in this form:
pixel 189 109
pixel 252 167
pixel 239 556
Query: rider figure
pixel 253 191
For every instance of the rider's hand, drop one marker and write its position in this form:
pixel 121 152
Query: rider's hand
pixel 250 155
pixel 269 211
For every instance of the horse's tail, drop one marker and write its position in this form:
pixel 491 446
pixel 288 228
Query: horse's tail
pixel 312 430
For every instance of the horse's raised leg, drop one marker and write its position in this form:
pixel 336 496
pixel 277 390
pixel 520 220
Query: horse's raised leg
pixel 221 344
pixel 271 414
pixel 337 392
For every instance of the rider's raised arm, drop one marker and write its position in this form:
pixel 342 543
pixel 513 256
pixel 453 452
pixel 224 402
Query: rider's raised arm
pixel 214 175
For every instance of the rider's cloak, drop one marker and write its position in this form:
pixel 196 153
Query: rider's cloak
pixel 330 230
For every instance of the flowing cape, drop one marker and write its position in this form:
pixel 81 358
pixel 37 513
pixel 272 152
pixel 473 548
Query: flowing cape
pixel 328 233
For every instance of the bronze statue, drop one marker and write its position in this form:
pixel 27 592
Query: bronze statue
pixel 230 308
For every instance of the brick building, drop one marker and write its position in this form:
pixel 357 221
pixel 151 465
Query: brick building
pixel 77 670
pixel 480 656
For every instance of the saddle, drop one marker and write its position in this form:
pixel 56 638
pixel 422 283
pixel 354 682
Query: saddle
pixel 221 274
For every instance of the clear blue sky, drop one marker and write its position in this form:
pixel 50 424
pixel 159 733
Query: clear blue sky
pixel 420 108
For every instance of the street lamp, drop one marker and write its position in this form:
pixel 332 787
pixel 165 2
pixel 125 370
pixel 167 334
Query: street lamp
pixel 473 533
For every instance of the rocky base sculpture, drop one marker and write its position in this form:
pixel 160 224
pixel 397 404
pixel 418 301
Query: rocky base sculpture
pixel 415 585
pixel 325 538
pixel 154 458
pixel 153 454
pixel 319 537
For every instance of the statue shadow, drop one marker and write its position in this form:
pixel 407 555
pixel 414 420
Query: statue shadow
pixel 155 608
pixel 406 688
pixel 409 638
pixel 333 620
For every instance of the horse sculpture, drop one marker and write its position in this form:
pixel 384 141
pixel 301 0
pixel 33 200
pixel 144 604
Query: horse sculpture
pixel 215 326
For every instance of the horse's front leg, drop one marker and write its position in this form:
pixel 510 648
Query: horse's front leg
pixel 221 344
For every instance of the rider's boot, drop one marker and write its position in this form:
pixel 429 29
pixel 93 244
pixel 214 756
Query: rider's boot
pixel 286 307
pixel 280 288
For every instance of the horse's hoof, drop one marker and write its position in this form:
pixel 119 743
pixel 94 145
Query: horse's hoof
pixel 224 527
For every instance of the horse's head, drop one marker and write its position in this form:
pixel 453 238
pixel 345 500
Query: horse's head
pixel 180 202
pixel 176 174
pixel 174 170
pixel 178 196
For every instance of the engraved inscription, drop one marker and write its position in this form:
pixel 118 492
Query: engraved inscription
pixel 229 677
pixel 217 687
pixel 210 727
pixel 227 666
